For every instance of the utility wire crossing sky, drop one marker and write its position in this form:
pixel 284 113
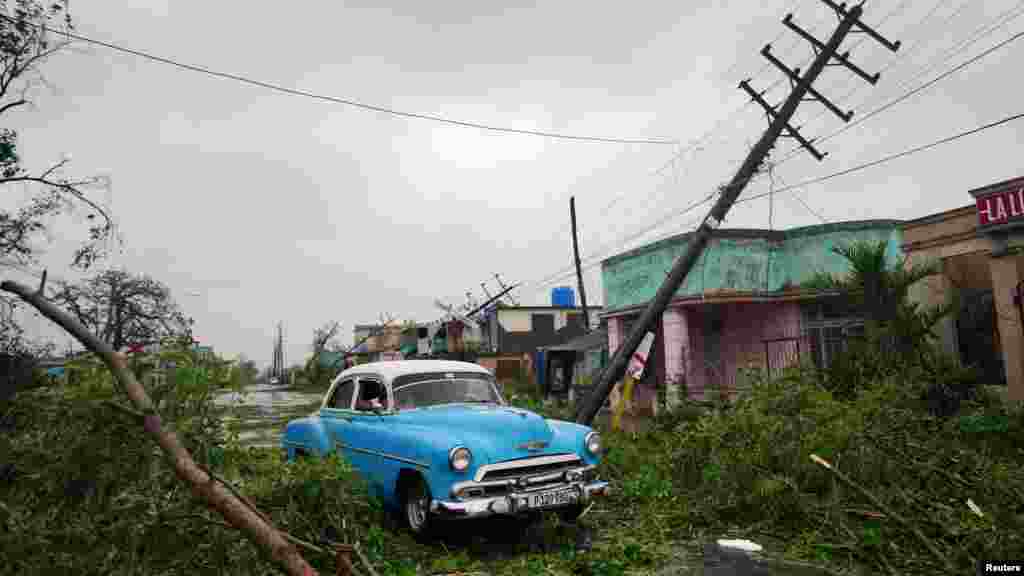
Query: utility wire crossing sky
pixel 353 103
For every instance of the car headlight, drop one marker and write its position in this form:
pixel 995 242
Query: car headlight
pixel 593 443
pixel 459 458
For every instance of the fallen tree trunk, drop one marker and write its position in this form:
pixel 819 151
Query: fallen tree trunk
pixel 203 485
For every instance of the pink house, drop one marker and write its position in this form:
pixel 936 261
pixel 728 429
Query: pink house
pixel 741 305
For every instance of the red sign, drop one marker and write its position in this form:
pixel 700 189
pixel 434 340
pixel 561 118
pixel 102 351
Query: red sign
pixel 1001 204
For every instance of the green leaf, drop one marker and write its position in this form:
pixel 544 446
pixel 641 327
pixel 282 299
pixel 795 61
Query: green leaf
pixel 312 488
pixel 871 535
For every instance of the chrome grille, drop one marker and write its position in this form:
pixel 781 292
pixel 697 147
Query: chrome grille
pixel 529 467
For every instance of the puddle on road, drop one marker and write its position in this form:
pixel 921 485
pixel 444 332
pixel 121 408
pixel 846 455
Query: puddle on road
pixel 260 413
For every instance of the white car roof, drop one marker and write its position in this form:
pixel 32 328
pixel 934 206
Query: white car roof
pixel 393 369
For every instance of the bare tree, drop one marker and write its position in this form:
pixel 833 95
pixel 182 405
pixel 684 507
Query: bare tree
pixel 323 341
pixel 124 308
pixel 323 338
pixel 30 32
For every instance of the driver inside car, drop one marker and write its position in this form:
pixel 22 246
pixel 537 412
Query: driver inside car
pixel 372 397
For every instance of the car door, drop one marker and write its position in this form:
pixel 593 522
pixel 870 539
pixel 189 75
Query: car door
pixel 338 416
pixel 364 431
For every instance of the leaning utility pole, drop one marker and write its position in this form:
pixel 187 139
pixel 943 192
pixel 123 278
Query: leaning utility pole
pixel 729 193
pixel 579 271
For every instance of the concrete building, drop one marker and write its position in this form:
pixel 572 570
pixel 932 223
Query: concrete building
pixel 516 334
pixel 376 341
pixel 981 251
pixel 740 306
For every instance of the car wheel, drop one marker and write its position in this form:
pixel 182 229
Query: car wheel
pixel 571 514
pixel 416 507
pixel 529 523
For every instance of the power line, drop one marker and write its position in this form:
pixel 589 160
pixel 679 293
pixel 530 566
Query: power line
pixel 618 243
pixel 788 9
pixel 349 102
pixel 901 56
pixel 891 157
pixel 603 252
pixel 695 144
pixel 917 90
pixel 796 150
pixel 594 263
pixel 793 192
pixel 984 31
pixel 859 85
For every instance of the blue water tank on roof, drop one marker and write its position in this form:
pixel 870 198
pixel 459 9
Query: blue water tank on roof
pixel 563 297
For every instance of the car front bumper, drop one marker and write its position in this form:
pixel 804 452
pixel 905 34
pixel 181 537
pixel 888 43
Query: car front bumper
pixel 510 504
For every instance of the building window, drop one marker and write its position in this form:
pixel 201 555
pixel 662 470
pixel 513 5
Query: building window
pixel 830 338
pixel 829 325
pixel 542 323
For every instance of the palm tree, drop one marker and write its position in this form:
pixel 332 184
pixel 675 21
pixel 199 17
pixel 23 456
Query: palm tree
pixel 879 290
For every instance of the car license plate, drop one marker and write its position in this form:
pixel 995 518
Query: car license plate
pixel 554 498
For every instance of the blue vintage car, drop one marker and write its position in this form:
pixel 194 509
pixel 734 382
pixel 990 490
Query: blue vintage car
pixel 436 440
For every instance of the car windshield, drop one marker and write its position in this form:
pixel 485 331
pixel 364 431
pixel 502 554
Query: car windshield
pixel 443 390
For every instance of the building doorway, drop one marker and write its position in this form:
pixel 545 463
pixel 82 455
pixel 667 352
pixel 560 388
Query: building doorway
pixel 978 334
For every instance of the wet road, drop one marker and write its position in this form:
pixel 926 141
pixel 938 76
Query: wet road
pixel 262 411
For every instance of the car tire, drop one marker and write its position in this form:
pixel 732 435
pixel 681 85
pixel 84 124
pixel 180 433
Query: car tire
pixel 416 508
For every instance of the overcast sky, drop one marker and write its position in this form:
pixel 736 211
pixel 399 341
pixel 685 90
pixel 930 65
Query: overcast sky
pixel 267 207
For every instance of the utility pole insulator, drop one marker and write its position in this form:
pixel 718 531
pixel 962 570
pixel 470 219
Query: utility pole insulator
pixel 794 76
pixel 842 11
pixel 843 58
pixel 789 128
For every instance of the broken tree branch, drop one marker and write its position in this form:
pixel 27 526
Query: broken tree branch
pixel 214 494
pixel 364 559
pixel 928 544
pixel 13 104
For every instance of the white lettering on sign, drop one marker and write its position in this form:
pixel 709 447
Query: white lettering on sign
pixel 1014 203
pixel 984 211
pixel 1000 207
